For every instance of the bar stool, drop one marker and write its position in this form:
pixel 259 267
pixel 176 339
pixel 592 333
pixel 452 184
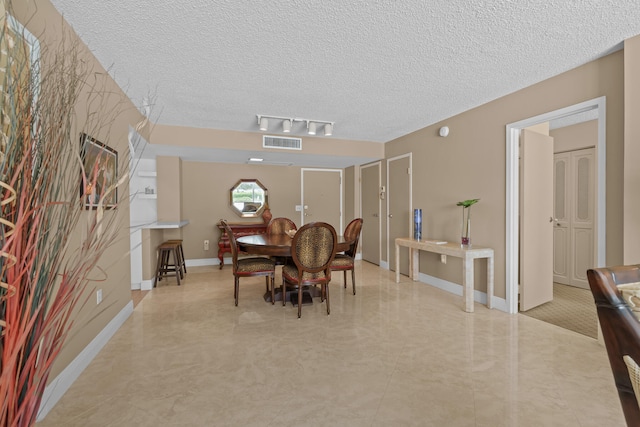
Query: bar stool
pixel 163 267
pixel 181 261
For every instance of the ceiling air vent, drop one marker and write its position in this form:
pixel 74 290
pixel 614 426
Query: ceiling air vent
pixel 282 142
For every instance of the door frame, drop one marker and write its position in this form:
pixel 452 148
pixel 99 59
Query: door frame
pixel 379 165
pixel 513 184
pixel 389 160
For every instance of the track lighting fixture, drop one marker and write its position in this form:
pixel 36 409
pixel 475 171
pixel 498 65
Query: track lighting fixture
pixel 288 124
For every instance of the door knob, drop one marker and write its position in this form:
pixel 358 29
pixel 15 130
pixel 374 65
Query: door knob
pixel 551 219
pixel 390 215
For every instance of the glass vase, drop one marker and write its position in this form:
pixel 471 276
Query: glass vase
pixel 465 239
pixel 417 224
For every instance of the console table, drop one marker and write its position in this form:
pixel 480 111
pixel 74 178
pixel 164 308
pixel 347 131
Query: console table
pixel 455 250
pixel 239 229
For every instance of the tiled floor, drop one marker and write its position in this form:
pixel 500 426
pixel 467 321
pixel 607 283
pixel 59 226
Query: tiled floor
pixel 393 355
pixel 138 296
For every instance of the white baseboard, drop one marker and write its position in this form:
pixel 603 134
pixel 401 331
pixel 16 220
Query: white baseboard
pixel 147 285
pixel 60 384
pixel 203 262
pixel 454 288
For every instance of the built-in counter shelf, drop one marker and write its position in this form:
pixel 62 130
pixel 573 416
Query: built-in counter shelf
pixel 147 195
pixel 156 225
pixel 164 225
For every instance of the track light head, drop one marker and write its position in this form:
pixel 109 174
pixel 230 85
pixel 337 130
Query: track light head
pixel 328 129
pixel 311 128
pixel 264 123
pixel 286 126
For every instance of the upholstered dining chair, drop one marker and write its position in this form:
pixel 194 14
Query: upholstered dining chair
pixel 312 249
pixel 280 226
pixel 246 267
pixel 346 261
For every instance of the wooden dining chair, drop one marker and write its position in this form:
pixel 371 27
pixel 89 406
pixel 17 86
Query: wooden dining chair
pixel 247 267
pixel 620 328
pixel 312 250
pixel 346 261
pixel 280 226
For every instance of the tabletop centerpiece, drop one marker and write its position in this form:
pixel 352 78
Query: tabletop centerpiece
pixel 465 239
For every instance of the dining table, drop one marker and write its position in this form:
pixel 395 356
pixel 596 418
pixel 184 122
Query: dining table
pixel 279 245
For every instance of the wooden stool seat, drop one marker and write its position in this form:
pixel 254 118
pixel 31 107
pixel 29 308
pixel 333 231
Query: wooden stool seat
pixel 164 268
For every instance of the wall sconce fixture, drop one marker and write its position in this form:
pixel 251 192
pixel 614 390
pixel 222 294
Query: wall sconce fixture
pixel 288 122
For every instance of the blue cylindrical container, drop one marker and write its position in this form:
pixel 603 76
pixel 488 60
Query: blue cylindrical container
pixel 417 224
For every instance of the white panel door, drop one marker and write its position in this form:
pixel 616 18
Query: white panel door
pixel 574 209
pixel 561 211
pixel 536 243
pixel 582 215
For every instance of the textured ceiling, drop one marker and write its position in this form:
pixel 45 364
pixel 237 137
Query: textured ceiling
pixel 378 69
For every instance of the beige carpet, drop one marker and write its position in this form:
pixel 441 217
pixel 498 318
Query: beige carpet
pixel 572 308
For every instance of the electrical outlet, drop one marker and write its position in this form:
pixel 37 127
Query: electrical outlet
pixel 443 258
pixel 98 296
pixel 206 245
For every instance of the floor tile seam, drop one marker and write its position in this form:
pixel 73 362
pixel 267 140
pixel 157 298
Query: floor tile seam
pixel 391 374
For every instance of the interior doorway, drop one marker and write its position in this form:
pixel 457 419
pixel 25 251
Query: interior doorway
pixel 596 107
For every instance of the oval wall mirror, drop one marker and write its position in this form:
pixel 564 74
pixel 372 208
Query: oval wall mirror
pixel 248 198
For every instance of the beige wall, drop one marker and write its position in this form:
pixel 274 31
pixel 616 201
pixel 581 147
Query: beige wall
pixel 44 22
pixel 631 151
pixel 205 192
pixel 350 199
pixel 470 162
pixel 575 137
pixel 169 179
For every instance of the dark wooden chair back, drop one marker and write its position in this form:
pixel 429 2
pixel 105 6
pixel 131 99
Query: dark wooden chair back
pixel 280 226
pixel 620 330
pixel 352 232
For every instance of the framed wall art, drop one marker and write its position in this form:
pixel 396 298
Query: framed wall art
pixel 100 165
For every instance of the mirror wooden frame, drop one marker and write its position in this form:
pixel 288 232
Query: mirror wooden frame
pixel 253 207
